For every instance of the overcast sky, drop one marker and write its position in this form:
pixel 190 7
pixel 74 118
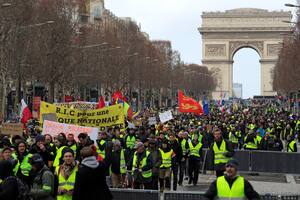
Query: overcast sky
pixel 178 20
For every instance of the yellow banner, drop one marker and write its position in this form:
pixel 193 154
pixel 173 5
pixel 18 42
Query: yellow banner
pixel 105 117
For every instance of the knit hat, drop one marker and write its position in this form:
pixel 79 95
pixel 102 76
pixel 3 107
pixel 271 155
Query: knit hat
pixel 39 138
pixel 232 163
pixel 36 159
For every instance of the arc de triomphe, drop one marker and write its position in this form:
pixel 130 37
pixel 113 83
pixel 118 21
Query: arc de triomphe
pixel 224 33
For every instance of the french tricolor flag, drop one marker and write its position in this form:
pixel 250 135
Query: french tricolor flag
pixel 25 113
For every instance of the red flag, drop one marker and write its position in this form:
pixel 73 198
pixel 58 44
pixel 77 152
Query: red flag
pixel 25 113
pixel 101 103
pixel 118 95
pixel 188 104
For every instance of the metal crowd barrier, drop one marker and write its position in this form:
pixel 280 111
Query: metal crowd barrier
pixel 261 161
pixel 131 194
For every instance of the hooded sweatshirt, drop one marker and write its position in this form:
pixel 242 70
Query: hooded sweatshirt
pixel 90 162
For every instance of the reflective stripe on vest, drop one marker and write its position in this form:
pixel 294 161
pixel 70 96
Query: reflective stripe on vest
pixel 236 192
pixel 194 150
pixel 219 153
pixel 58 156
pixel 130 141
pixel 66 184
pixel 143 163
pixel 166 158
pixel 291 146
pixel 122 162
pixel 101 152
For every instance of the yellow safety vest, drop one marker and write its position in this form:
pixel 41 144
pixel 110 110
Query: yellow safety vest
pixel 236 192
pixel 183 143
pixel 58 156
pixel 74 148
pixel 25 166
pixel 122 162
pixel 234 138
pixel 166 158
pixel 66 184
pixel 101 152
pixel 143 163
pixel 130 141
pixel 220 158
pixel 194 150
pixel 291 146
pixel 251 145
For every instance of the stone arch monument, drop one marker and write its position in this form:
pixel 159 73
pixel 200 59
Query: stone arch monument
pixel 224 33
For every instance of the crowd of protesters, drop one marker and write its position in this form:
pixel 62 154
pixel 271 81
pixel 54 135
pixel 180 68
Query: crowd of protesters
pixel 158 156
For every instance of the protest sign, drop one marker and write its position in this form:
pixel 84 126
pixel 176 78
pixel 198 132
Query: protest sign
pixel 100 118
pixel 165 116
pixel 12 129
pixel 152 120
pixel 54 128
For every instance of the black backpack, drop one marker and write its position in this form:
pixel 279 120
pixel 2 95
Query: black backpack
pixel 23 189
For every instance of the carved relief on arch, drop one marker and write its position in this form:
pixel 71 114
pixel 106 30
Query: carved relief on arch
pixel 215 50
pixel 236 45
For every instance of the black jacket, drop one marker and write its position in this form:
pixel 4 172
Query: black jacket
pixel 250 193
pixel 90 183
pixel 46 155
pixel 9 187
pixel 177 150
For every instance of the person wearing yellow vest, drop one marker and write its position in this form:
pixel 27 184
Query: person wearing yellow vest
pixel 195 152
pixel 251 141
pixel 71 143
pixel 101 144
pixel 234 137
pixel 141 167
pixel 23 167
pixel 43 183
pixel 231 186
pixel 183 141
pixel 66 174
pixel 117 164
pixel 52 148
pixel 165 168
pixel 60 144
pixel 291 144
pixel 222 151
